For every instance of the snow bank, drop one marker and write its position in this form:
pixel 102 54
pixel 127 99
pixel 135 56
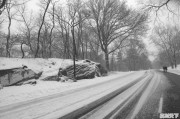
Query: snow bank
pixel 35 64
pixel 16 94
pixel 175 71
pixel 12 71
pixel 49 67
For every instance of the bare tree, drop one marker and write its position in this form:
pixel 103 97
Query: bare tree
pixel 112 20
pixel 10 14
pixel 137 56
pixel 52 28
pixel 73 10
pixel 28 26
pixel 47 3
pixel 164 38
pixel 74 7
pixel 158 5
pixel 63 29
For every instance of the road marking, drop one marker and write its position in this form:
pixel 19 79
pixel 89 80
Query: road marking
pixel 160 104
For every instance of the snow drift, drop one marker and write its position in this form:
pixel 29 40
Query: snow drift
pixel 12 70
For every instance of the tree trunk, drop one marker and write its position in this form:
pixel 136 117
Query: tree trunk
pixel 86 49
pixel 50 44
pixel 67 46
pixel 8 38
pixel 74 53
pixel 7 47
pixel 107 60
pixel 134 64
pixel 172 65
pixel 22 50
pixel 29 42
pixel 39 31
pixel 175 63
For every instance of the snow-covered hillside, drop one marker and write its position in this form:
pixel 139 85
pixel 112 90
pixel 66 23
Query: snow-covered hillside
pixel 49 69
pixel 47 66
pixel 15 94
pixel 175 71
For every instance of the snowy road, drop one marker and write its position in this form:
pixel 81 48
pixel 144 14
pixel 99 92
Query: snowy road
pixel 67 101
pixel 136 95
pixel 147 99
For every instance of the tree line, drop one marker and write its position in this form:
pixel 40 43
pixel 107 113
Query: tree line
pixel 165 34
pixel 106 31
pixel 166 38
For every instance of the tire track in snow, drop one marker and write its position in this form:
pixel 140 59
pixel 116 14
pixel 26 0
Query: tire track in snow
pixel 54 104
pixel 113 107
pixel 155 81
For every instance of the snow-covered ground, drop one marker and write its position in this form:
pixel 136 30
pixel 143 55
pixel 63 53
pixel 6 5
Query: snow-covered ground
pixel 15 94
pixel 48 66
pixel 18 95
pixel 175 71
pixel 57 105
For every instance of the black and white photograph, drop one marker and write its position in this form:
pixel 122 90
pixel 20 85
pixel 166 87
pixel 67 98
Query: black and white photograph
pixel 89 59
